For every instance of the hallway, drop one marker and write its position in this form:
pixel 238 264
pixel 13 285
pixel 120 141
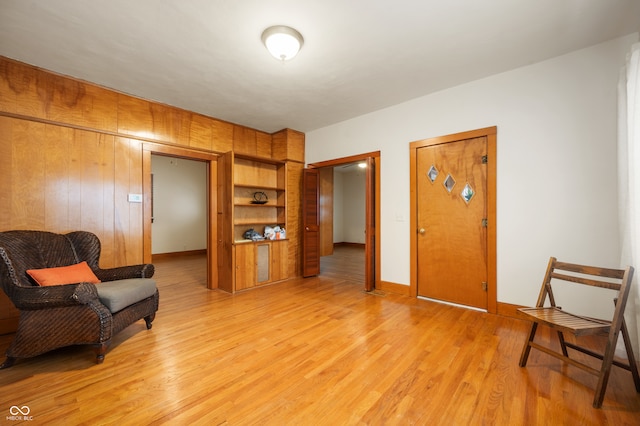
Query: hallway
pixel 346 263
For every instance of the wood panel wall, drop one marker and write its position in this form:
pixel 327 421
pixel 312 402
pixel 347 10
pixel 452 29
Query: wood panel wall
pixel 71 152
pixel 61 179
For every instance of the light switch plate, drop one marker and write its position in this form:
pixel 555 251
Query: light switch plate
pixel 135 198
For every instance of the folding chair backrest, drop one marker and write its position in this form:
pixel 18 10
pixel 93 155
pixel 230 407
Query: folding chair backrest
pixel 608 278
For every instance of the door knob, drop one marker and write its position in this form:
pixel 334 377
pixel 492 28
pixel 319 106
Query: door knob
pixel 422 231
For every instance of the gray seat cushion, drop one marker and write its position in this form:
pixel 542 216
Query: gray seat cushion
pixel 117 295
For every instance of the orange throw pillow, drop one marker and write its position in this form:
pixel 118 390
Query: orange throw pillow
pixel 72 274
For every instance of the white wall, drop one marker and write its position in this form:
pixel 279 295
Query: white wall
pixel 556 165
pixel 354 206
pixel 349 206
pixel 180 205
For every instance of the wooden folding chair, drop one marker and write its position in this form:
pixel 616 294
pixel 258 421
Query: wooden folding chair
pixel 562 321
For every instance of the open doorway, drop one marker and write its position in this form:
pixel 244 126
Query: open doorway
pixel 179 206
pixel 179 213
pixel 189 204
pixel 349 209
pixel 343 219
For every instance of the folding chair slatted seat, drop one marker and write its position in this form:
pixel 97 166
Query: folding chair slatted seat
pixel 618 280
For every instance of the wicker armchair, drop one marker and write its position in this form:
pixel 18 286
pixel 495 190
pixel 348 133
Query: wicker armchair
pixel 73 314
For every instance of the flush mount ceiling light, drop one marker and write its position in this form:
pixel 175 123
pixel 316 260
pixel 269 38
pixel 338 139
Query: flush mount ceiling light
pixel 282 42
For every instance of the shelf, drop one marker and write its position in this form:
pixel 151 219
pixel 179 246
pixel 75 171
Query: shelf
pixel 251 173
pixel 258 222
pixel 262 187
pixel 258 242
pixel 266 160
pixel 259 205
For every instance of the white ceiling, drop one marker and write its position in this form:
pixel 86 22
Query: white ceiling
pixel 359 55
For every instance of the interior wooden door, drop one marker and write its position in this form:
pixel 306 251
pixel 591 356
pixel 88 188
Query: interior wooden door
pixel 370 227
pixel 310 222
pixel 326 211
pixel 451 204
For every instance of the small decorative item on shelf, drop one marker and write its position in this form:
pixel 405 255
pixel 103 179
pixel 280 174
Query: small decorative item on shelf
pixel 252 235
pixel 274 233
pixel 259 197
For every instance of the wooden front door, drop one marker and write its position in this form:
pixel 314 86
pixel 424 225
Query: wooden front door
pixel 451 219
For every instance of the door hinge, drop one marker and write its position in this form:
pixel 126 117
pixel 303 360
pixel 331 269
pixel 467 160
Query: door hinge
pixel 484 285
pixel 485 223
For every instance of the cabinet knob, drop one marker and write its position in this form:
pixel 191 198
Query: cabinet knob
pixel 422 231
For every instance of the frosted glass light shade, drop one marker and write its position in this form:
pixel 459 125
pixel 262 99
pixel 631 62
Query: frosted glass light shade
pixel 282 42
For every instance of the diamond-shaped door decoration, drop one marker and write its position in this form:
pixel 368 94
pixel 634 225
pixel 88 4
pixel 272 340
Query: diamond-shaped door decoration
pixel 432 174
pixel 449 183
pixel 467 193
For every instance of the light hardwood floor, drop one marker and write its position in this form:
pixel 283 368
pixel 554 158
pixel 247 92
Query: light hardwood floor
pixel 317 351
pixel 346 263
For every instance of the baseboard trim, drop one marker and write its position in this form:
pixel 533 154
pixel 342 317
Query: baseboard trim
pixel 345 244
pixel 161 256
pixel 509 310
pixel 394 288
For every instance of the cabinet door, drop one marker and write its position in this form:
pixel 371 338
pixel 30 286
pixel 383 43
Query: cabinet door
pixel 263 263
pixel 279 264
pixel 245 266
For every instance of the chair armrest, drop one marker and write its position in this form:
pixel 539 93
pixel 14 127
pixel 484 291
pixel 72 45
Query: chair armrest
pixel 37 297
pixel 125 272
